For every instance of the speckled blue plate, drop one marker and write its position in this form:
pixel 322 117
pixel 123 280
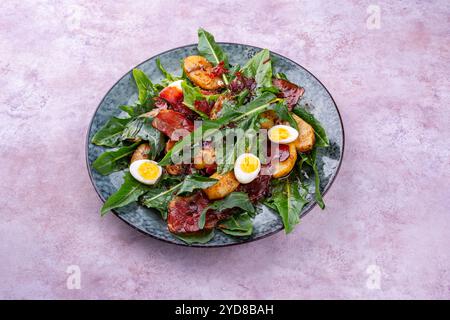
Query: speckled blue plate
pixel 267 222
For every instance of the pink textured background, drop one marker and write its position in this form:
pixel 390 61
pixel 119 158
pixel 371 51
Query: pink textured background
pixel 390 205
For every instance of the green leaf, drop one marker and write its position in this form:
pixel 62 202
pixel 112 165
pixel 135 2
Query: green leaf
pixel 141 128
pixel 159 198
pixel 207 126
pixel 128 109
pixel 211 127
pixel 192 94
pixel 110 134
pixel 208 48
pixel 259 105
pixel 321 135
pixel 240 98
pixel 137 109
pixel 145 86
pixel 114 160
pixel 156 198
pixel 281 75
pixel 194 182
pixel 310 159
pixel 259 67
pixel 129 191
pixel 271 89
pixel 200 237
pixel 284 114
pixel 229 106
pixel 233 200
pixel 169 77
pixel 254 107
pixel 288 202
pixel 225 159
pixel 239 225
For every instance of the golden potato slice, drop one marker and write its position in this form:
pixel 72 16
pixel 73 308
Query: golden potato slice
pixel 283 168
pixel 306 138
pixel 227 184
pixel 205 157
pixel 214 113
pixel 198 70
pixel 141 152
pixel 193 63
pixel 268 119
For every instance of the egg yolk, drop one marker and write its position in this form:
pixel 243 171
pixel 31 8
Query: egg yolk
pixel 249 164
pixel 279 134
pixel 148 171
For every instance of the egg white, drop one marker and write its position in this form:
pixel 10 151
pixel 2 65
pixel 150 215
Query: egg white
pixel 293 134
pixel 135 172
pixel 245 177
pixel 176 84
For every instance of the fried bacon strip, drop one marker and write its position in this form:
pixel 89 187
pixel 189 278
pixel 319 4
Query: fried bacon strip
pixel 173 124
pixel 184 214
pixel 289 91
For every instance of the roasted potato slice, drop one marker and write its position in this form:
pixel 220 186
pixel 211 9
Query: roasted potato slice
pixel 141 152
pixel 306 137
pixel 198 70
pixel 205 157
pixel 268 119
pixel 214 113
pixel 227 184
pixel 283 168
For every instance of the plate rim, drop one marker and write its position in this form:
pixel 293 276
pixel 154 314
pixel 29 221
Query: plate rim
pixel 202 245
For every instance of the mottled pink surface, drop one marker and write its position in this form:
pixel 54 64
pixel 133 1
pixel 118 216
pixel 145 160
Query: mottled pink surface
pixel 389 207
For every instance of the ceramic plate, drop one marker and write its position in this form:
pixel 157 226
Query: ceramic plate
pixel 320 104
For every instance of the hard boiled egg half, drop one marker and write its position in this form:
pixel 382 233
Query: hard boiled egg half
pixel 246 168
pixel 282 134
pixel 176 84
pixel 146 171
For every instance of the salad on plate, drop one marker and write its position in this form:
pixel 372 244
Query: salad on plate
pixel 208 147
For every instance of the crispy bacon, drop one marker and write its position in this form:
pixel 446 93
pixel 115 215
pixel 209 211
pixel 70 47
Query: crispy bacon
pixel 169 145
pixel 257 189
pixel 160 103
pixel 218 70
pixel 184 214
pixel 172 95
pixel 173 124
pixel 210 169
pixel 289 91
pixel 188 113
pixel 203 106
pixel 282 152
